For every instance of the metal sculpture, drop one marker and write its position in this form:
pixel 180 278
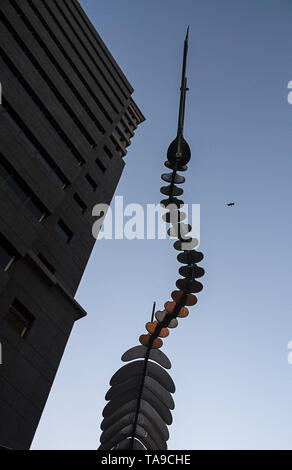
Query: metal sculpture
pixel 140 397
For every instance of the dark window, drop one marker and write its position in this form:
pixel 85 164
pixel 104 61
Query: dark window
pixel 128 119
pixel 80 203
pixel 4 172
pixel 125 127
pixel 100 165
pixel 133 114
pixel 10 118
pixel 108 152
pixel 7 253
pixel 49 82
pixel 71 62
pixel 59 180
pixel 38 150
pixel 117 146
pixel 36 209
pixel 114 141
pixel 64 231
pixel 44 163
pixel 42 109
pixel 22 190
pixel 106 54
pixel 28 141
pixel 17 188
pixel 46 263
pixel 19 318
pixel 87 51
pixel 5 257
pixel 117 133
pixel 91 182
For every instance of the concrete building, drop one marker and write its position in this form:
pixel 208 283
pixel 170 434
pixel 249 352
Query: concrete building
pixel 66 120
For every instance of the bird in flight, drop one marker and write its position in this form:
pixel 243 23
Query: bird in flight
pixel 230 204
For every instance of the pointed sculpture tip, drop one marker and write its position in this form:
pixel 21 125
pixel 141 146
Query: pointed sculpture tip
pixel 187 35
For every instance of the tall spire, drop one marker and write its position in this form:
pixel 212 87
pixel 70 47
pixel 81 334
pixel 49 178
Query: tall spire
pixel 183 88
pixel 179 152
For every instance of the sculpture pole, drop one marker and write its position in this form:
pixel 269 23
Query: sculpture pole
pixel 140 397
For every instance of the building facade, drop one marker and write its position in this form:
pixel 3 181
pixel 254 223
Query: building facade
pixel 66 120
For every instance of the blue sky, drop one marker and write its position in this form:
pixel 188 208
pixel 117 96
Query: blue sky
pixel 229 357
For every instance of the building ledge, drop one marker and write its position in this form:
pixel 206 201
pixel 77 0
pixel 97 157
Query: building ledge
pixel 80 312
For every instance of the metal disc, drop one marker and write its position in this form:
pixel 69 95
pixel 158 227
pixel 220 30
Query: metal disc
pixel 167 177
pixel 126 432
pixel 190 257
pixel 170 306
pixel 145 340
pixel 137 368
pixel 183 311
pixel 130 384
pixel 185 245
pixel 174 216
pixel 191 272
pixel 135 383
pixel 129 420
pixel 171 166
pixel 173 323
pixel 147 396
pixel 188 285
pixel 171 191
pixel 151 327
pixel 140 352
pixel 179 229
pixel 145 408
pixel 190 298
pixel 160 392
pixel 160 316
pixel 172 201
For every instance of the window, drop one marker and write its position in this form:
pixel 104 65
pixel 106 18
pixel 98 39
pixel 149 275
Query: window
pixel 117 133
pixel 91 182
pixel 116 145
pixel 133 114
pixel 118 148
pixel 7 253
pixel 46 263
pixel 5 257
pixel 125 127
pixel 38 151
pixel 59 179
pixel 128 119
pixel 100 165
pixel 79 203
pixel 108 152
pixel 17 188
pixel 64 231
pixel 87 51
pixel 10 118
pixel 36 209
pixel 21 189
pixel 80 55
pixel 44 75
pixel 19 318
pixel 4 172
